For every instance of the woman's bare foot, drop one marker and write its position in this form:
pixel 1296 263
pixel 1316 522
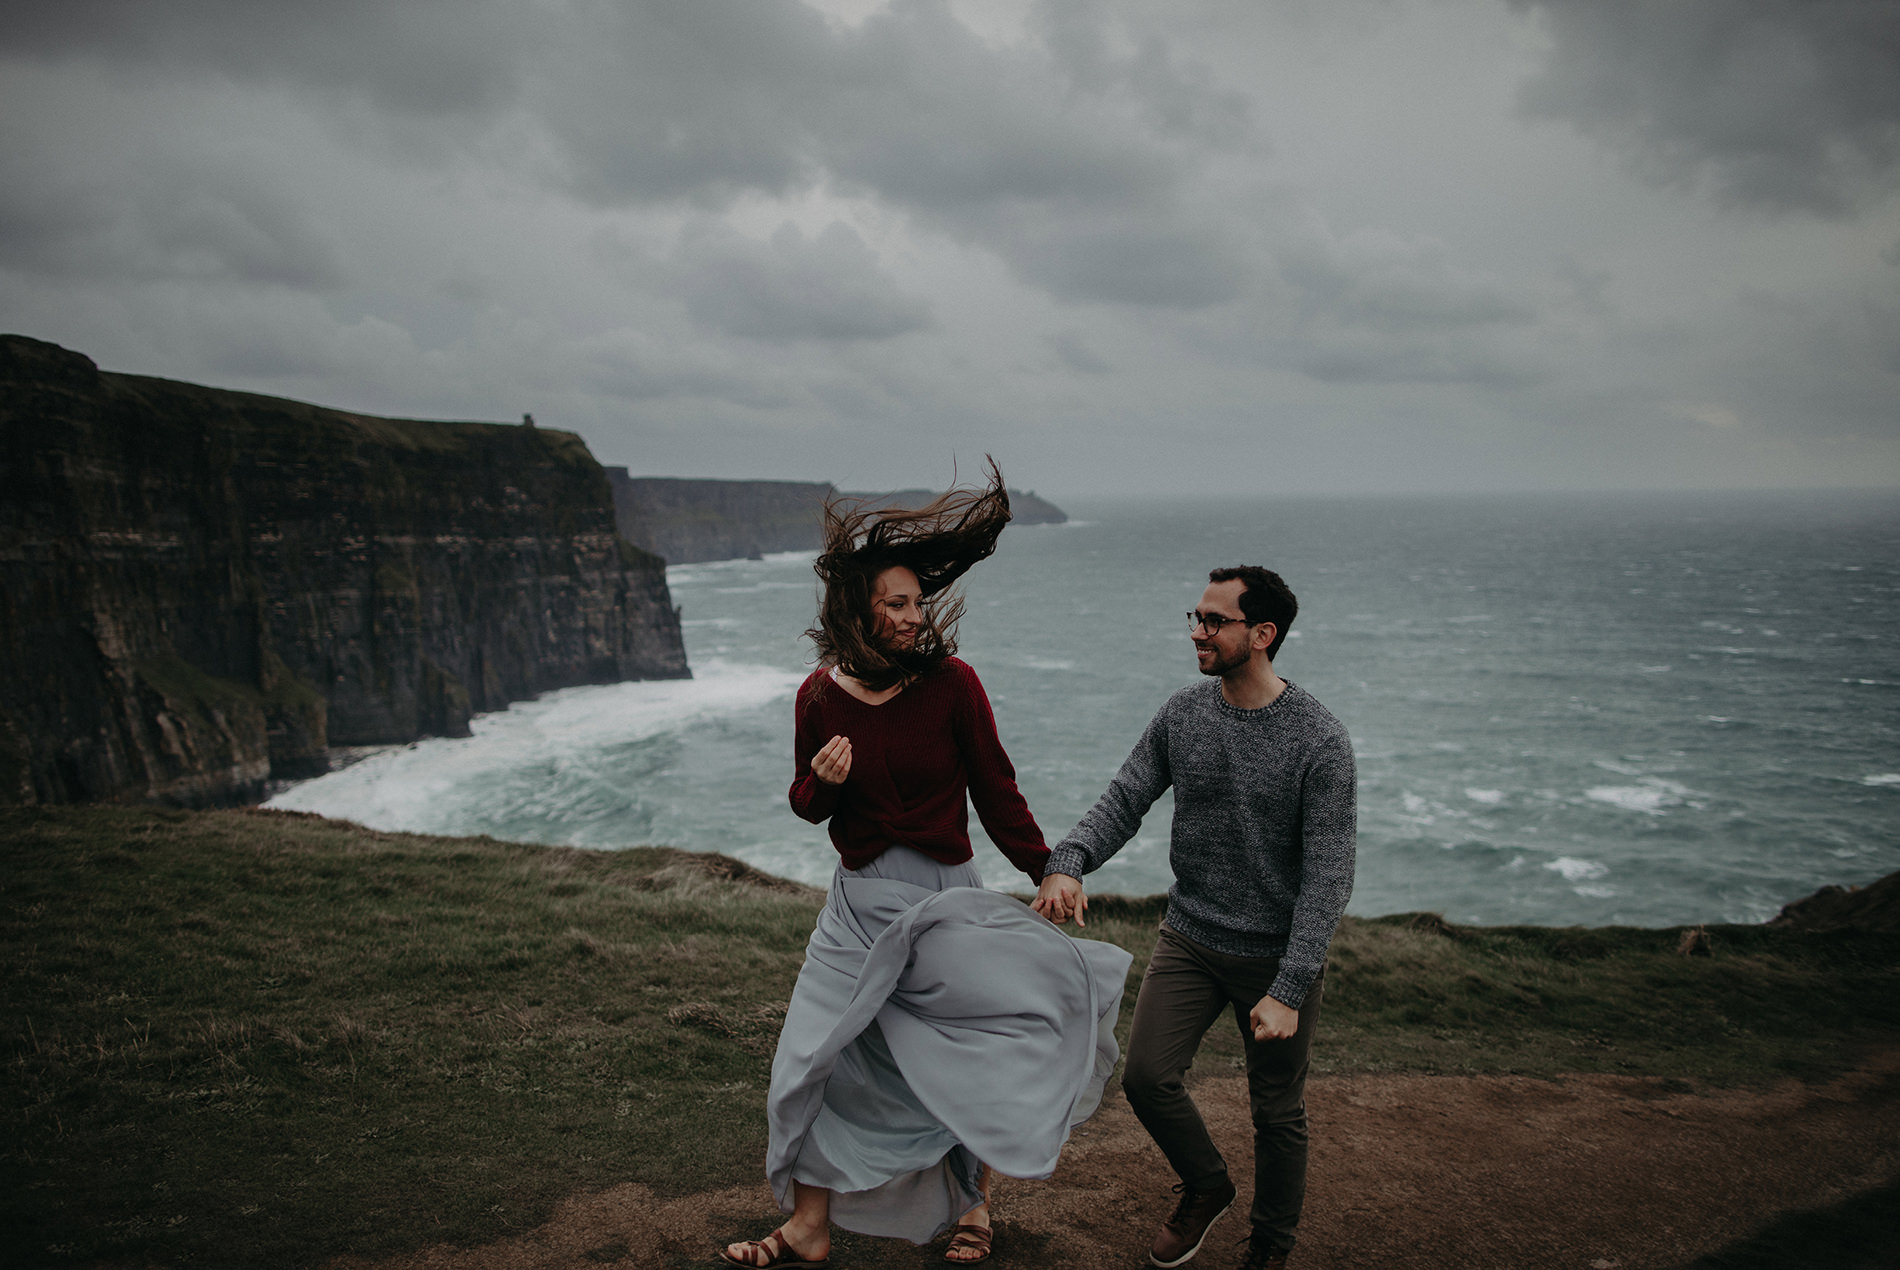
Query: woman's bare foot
pixel 783 1247
pixel 971 1239
pixel 967 1245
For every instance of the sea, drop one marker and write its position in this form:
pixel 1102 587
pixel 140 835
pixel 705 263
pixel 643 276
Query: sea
pixel 1635 709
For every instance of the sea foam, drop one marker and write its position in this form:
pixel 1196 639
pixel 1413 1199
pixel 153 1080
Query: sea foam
pixel 556 760
pixel 1653 796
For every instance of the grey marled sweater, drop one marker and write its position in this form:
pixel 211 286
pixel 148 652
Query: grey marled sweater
pixel 1265 810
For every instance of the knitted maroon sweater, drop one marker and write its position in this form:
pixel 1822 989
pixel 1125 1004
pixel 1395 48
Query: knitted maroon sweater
pixel 912 759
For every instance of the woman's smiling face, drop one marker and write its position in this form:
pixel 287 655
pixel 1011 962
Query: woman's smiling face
pixel 896 612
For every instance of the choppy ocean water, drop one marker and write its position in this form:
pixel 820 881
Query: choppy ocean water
pixel 1636 709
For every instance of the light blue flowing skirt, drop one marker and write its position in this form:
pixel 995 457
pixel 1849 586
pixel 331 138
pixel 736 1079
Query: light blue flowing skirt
pixel 935 1027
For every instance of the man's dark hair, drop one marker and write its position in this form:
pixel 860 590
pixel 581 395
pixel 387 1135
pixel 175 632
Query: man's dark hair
pixel 1266 598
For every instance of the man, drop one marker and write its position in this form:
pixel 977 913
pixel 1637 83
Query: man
pixel 1262 853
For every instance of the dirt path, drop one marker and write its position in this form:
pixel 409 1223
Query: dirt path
pixel 1597 1173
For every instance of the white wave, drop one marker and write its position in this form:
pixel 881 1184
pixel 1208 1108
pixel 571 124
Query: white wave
pixel 753 586
pixel 767 572
pixel 1576 870
pixel 1419 810
pixel 1045 663
pixel 1652 797
pixel 540 760
pixel 1881 778
pixel 1489 797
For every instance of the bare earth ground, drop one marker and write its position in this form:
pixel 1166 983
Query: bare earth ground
pixel 1593 1172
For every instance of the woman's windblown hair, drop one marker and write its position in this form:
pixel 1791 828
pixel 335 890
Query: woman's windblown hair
pixel 938 543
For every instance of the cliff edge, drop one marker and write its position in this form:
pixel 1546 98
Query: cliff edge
pixel 205 589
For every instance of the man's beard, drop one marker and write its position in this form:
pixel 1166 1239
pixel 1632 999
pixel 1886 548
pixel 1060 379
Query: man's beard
pixel 1221 663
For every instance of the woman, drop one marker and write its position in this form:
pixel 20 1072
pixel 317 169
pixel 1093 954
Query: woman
pixel 937 1029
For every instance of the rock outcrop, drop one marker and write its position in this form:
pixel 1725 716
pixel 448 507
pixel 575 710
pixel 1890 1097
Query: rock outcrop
pixel 201 590
pixel 1875 906
pixel 687 521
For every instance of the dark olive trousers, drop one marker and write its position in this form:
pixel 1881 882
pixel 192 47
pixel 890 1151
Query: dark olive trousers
pixel 1184 990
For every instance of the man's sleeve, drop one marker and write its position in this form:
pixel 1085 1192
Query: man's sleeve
pixel 1117 813
pixel 1329 802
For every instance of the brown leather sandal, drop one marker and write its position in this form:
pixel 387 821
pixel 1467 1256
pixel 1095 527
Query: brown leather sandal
pixel 969 1238
pixel 778 1255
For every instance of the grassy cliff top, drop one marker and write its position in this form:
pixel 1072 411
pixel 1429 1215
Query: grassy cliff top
pixel 245 1037
pixel 59 381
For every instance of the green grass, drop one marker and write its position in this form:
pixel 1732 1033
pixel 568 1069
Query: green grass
pixel 1413 993
pixel 242 1037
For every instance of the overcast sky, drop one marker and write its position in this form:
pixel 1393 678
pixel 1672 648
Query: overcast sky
pixel 1124 245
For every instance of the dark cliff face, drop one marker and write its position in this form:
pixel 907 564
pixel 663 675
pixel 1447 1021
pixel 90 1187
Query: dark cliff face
pixel 205 589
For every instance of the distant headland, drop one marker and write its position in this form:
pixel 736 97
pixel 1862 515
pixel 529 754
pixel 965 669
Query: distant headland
pixel 688 521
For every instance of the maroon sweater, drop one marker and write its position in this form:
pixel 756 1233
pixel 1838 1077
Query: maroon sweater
pixel 912 760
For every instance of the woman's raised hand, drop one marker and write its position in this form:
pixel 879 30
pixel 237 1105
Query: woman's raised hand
pixel 833 763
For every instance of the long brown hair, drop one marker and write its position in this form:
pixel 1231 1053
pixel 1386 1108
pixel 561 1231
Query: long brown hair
pixel 938 542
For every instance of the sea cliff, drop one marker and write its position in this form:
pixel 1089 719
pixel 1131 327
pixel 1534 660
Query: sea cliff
pixel 686 521
pixel 205 589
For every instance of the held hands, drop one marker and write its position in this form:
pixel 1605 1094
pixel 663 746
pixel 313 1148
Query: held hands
pixel 833 763
pixel 1060 897
pixel 1273 1020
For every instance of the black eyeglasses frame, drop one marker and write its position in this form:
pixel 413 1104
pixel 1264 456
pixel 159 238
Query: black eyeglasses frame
pixel 1215 623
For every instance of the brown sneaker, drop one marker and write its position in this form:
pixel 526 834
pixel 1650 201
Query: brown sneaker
pixel 1181 1235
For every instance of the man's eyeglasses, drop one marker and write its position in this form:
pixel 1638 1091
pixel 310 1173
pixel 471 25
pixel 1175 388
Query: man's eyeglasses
pixel 1214 621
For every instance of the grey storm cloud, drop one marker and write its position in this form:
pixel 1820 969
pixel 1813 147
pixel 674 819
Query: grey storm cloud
pixel 1119 256
pixel 1073 163
pixel 1073 168
pixel 157 221
pixel 1076 354
pixel 748 237
pixel 1070 169
pixel 1780 104
pixel 1382 282
pixel 701 101
pixel 1420 360
pixel 829 287
pixel 428 56
pixel 1174 95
